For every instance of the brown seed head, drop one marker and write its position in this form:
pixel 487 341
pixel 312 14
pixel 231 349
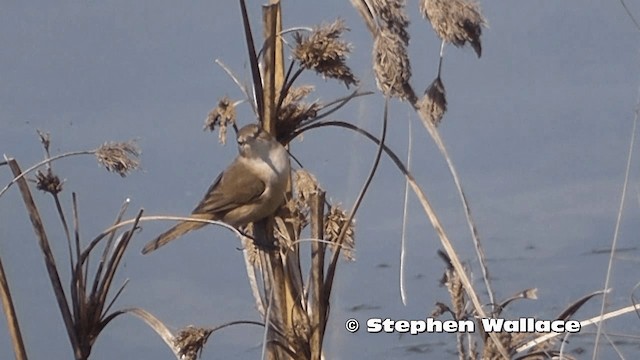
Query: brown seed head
pixel 433 104
pixel 222 115
pixel 333 223
pixel 393 17
pixel 324 52
pixel 120 157
pixel 455 21
pixel 190 341
pixel 391 65
pixel 48 182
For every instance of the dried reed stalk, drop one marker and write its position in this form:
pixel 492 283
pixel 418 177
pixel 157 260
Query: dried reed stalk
pixel 10 314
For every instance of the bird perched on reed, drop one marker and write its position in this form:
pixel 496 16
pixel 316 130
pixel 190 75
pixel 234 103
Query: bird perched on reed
pixel 251 188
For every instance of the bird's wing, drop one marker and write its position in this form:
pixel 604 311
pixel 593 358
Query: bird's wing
pixel 234 187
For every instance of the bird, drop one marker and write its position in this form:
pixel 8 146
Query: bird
pixel 250 189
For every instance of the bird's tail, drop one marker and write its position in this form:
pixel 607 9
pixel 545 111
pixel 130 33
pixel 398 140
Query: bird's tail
pixel 171 234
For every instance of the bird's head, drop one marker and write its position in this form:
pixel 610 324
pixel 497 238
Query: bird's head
pixel 254 142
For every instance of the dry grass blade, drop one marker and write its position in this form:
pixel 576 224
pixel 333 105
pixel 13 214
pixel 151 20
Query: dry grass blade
pixel 105 252
pixel 112 266
pixel 253 59
pixel 433 104
pixel 598 319
pixel 435 135
pixel 567 313
pixel 324 52
pixel 10 314
pixel 455 21
pixel 119 157
pixel 39 164
pixel 49 259
pixel 531 294
pixel 242 87
pixel 154 323
pixel 405 211
pixel 328 283
pixel 616 231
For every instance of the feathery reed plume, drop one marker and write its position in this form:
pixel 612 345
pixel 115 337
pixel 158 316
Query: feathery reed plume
pixel 120 157
pixel 433 104
pixel 393 17
pixel 222 115
pixel 455 21
pixel 391 65
pixel 306 184
pixel 190 342
pixel 324 52
pixel 333 223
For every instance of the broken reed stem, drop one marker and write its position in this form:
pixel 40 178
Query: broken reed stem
pixel 319 306
pixel 12 318
pixel 49 259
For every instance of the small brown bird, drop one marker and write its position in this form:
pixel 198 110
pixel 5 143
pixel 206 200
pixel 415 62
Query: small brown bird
pixel 250 189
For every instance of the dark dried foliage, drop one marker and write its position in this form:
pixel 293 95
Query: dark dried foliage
pixel 324 52
pixel 48 182
pixel 294 111
pixel 455 21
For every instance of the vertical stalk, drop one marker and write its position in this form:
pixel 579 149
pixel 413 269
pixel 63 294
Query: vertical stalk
pixel 319 308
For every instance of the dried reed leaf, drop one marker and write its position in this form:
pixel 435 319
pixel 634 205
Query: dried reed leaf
pixel 455 21
pixel 120 157
pixel 333 223
pixel 222 115
pixel 366 12
pixel 531 294
pixel 190 342
pixel 324 52
pixel 391 65
pixel 433 104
